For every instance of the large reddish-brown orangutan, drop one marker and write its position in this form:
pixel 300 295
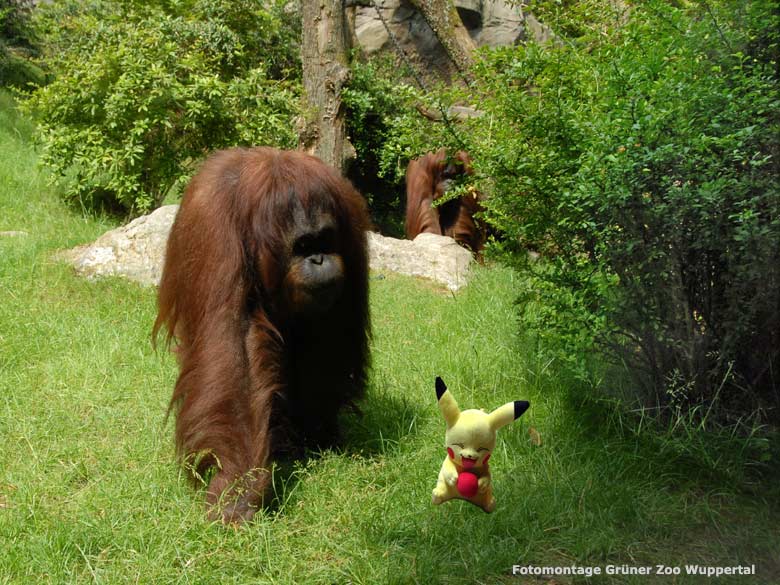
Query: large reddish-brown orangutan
pixel 265 291
pixel 427 179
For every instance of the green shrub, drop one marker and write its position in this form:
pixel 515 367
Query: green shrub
pixel 647 155
pixel 142 95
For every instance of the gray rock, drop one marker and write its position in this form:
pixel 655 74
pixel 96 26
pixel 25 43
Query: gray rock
pixel 371 32
pixel 409 30
pixel 502 25
pixel 438 258
pixel 137 252
pixel 492 23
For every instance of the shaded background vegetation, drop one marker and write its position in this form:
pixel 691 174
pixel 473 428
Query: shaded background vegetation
pixel 143 90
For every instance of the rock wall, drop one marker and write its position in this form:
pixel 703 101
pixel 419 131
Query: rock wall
pixel 491 23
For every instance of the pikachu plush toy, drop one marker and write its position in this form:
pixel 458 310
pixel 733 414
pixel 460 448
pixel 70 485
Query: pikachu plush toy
pixel 470 439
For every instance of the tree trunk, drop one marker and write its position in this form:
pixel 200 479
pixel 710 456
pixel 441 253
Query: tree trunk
pixel 443 18
pixel 325 72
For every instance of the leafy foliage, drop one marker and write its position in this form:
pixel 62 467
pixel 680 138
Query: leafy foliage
pixel 649 156
pixel 142 94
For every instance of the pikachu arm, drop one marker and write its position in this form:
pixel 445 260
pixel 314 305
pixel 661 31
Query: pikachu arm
pixel 484 482
pixel 448 473
pixel 446 483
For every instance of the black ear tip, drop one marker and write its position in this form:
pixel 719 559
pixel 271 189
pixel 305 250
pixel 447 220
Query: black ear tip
pixel 441 388
pixel 520 407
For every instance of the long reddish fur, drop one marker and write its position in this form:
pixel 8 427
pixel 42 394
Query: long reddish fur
pixel 251 378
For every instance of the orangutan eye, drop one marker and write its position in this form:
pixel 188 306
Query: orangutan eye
pixel 483 449
pixel 458 445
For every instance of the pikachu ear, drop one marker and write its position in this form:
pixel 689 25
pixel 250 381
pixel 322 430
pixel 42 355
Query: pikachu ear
pixel 504 415
pixel 447 405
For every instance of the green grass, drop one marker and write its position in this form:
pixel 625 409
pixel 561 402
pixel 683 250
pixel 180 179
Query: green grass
pixel 90 491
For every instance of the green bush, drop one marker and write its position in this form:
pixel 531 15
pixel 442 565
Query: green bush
pixel 645 153
pixel 141 95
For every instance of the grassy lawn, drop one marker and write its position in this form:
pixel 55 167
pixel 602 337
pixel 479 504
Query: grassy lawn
pixel 90 491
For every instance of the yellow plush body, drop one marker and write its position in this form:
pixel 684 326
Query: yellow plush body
pixel 470 439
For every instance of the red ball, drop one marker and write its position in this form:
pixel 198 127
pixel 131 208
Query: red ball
pixel 467 484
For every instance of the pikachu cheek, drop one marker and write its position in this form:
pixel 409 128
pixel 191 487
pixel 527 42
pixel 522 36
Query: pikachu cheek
pixel 451 453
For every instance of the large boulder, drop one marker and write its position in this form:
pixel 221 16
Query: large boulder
pixel 137 251
pixel 431 256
